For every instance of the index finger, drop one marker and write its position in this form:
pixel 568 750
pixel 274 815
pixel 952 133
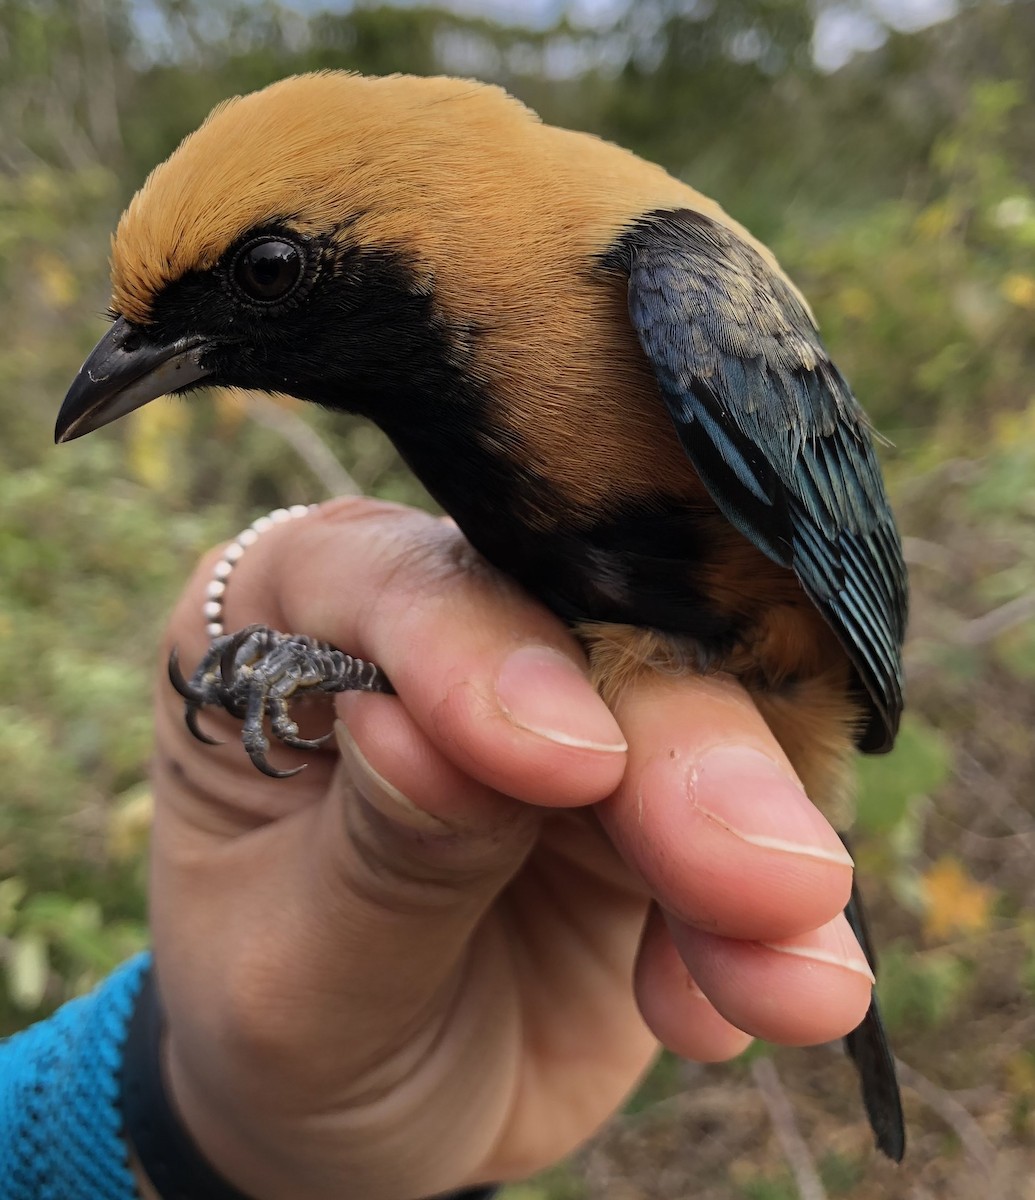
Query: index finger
pixel 713 818
pixel 493 679
pixel 748 876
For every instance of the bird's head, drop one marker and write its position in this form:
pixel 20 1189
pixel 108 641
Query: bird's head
pixel 306 239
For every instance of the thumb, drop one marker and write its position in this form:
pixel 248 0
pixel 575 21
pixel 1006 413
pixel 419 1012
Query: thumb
pixel 407 856
pixel 341 929
pixel 340 940
pixel 332 969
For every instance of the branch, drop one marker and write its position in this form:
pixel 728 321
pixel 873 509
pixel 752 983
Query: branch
pixel 306 443
pixel 99 84
pixel 976 1146
pixel 989 626
pixel 795 1150
pixel 919 552
pixel 977 631
pixel 981 781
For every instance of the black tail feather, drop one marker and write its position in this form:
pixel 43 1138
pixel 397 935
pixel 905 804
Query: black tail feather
pixel 870 1050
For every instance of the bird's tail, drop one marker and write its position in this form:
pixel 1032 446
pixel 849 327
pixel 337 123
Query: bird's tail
pixel 870 1050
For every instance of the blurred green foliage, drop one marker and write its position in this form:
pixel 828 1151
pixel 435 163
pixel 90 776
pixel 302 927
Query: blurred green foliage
pixel 897 191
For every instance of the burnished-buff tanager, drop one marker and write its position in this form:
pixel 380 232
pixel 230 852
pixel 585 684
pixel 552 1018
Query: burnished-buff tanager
pixel 607 381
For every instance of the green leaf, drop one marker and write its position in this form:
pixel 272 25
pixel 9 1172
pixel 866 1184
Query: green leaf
pixel 1015 650
pixel 558 1184
pixel 840 1174
pixel 923 989
pixel 891 784
pixel 27 970
pixel 770 1187
pixel 12 892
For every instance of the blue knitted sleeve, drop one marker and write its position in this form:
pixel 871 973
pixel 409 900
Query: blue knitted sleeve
pixel 60 1117
pixel 60 1121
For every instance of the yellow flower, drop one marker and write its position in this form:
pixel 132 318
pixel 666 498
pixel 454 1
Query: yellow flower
pixel 1019 289
pixel 954 902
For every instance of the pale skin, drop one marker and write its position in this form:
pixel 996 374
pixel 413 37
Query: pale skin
pixel 446 951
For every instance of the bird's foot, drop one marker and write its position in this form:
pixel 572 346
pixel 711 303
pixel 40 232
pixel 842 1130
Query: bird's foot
pixel 256 672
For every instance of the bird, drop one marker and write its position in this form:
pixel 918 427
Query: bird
pixel 610 385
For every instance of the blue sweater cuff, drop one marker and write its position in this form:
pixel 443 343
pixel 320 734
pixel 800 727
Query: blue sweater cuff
pixel 60 1119
pixel 61 1132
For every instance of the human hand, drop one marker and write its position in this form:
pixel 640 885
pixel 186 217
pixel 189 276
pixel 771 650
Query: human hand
pixel 445 952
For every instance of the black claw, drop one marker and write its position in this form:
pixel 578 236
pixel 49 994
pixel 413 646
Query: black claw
pixel 190 719
pixel 176 677
pixel 227 661
pixel 254 675
pixel 297 743
pixel 260 763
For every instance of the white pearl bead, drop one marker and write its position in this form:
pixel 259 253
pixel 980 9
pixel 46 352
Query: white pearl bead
pixel 216 588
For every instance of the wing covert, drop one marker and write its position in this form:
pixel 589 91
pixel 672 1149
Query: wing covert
pixel 774 432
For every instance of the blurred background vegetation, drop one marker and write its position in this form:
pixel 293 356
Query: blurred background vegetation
pixel 889 158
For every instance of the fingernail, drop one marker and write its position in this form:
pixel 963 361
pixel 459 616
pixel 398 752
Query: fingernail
pixel 378 792
pixel 694 990
pixel 543 692
pixel 834 945
pixel 760 802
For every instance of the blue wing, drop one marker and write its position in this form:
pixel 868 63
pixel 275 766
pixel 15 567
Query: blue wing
pixel 774 433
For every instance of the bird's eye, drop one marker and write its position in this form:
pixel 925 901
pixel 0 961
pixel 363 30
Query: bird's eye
pixel 268 270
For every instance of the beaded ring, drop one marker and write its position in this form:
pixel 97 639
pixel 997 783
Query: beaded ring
pixel 212 610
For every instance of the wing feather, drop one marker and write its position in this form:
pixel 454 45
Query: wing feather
pixel 774 432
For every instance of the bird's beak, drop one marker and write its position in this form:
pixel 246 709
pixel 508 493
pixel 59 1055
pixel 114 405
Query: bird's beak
pixel 125 371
